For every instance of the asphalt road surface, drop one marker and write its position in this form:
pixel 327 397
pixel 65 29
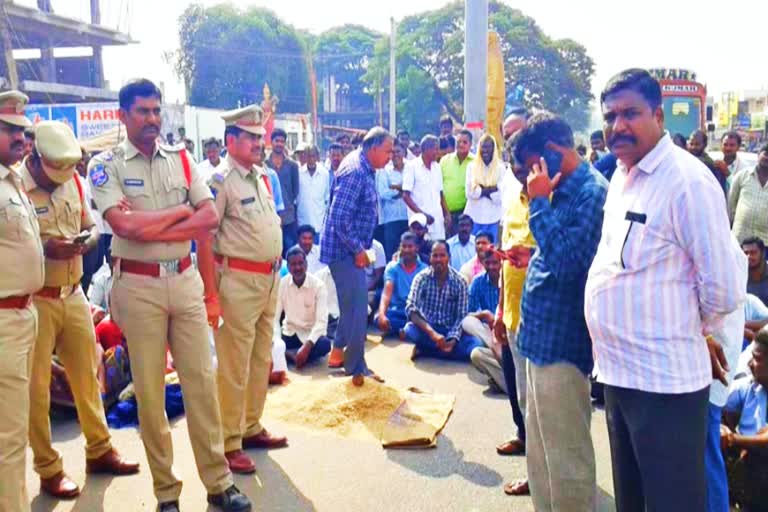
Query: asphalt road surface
pixel 326 473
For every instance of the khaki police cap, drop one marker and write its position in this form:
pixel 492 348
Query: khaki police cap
pixel 12 108
pixel 248 118
pixel 56 144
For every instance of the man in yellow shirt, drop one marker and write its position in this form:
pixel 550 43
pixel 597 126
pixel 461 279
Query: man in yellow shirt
pixel 517 243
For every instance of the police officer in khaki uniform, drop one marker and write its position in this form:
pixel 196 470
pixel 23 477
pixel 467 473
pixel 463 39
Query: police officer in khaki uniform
pixel 21 274
pixel 156 203
pixel 246 250
pixel 65 324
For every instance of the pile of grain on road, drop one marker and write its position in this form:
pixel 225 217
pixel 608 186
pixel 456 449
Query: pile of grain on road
pixel 336 406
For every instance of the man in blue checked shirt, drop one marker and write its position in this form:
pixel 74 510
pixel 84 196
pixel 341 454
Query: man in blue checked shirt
pixel 566 216
pixel 348 233
pixel 435 307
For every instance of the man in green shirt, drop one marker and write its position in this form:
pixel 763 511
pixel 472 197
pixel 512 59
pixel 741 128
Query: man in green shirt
pixel 454 167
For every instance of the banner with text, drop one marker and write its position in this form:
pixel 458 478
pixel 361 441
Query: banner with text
pixel 87 120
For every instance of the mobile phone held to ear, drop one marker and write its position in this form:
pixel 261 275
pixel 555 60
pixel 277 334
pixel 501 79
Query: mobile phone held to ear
pixel 554 161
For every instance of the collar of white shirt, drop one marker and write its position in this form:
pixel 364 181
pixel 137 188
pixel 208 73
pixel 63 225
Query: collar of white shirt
pixel 651 161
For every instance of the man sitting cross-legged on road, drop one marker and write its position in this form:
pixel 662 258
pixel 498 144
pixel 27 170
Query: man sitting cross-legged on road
pixel 304 300
pixel 483 301
pixel 398 278
pixel 435 307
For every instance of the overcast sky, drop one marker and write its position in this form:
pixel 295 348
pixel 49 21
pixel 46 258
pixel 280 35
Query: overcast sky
pixel 724 42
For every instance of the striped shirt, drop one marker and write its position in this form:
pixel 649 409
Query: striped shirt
pixel 665 272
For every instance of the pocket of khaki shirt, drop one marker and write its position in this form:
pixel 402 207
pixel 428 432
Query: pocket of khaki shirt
pixel 14 221
pixel 177 191
pixel 70 217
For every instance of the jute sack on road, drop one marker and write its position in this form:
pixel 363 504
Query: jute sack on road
pixel 417 421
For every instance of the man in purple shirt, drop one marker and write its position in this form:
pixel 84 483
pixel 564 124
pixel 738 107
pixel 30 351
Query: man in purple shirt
pixel 350 221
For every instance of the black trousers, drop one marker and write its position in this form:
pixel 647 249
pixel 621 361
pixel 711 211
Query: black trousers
pixel 508 366
pixel 657 449
pixel 94 259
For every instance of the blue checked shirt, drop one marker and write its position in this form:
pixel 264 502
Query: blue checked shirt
pixel 445 307
pixel 567 232
pixel 483 294
pixel 353 214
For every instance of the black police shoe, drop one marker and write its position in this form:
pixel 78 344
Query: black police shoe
pixel 231 500
pixel 168 506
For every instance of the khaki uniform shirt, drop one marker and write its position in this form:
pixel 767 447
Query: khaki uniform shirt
pixel 61 214
pixel 21 252
pixel 249 227
pixel 155 183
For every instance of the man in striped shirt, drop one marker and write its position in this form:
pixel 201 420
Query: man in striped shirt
pixel 664 276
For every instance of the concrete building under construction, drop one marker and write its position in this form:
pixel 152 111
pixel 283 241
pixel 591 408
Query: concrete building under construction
pixel 49 78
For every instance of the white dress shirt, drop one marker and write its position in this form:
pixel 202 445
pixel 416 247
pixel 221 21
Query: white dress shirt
pixel 314 196
pixel 665 272
pixel 731 337
pixel 333 300
pixel 206 169
pixel 305 308
pixel 425 186
pixel 101 286
pixel 378 260
pixel 314 265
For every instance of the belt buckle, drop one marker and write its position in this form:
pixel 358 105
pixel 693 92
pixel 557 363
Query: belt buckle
pixel 276 265
pixel 170 267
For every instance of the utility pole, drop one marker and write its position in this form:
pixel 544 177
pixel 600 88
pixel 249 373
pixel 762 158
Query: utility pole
pixel 475 64
pixel 97 76
pixel 392 77
pixel 7 47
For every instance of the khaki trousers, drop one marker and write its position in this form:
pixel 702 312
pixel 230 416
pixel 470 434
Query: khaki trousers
pixel 155 312
pixel 18 330
pixel 66 327
pixel 244 350
pixel 560 456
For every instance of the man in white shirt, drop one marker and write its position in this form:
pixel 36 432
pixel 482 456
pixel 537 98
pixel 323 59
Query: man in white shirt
pixel 462 244
pixel 212 158
pixel 314 191
pixel 101 286
pixel 304 300
pixel 664 276
pixel 423 189
pixel 307 238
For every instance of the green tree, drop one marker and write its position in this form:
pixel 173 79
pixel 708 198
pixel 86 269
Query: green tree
pixel 345 53
pixel 227 55
pixel 554 74
pixel 416 96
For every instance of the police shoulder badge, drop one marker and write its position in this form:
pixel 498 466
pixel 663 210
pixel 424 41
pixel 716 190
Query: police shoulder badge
pixel 98 175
